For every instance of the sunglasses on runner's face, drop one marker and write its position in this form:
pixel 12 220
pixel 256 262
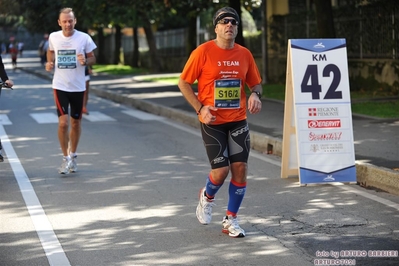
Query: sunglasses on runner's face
pixel 226 21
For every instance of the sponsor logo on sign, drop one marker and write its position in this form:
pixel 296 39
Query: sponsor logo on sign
pixel 327 147
pixel 312 112
pixel 329 178
pixel 323 111
pixel 325 136
pixel 314 147
pixel 332 123
pixel 332 147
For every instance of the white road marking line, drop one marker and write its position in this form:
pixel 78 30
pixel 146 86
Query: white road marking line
pixel 4 120
pixel 370 196
pixel 98 117
pixel 51 246
pixel 142 115
pixel 45 118
pixel 190 130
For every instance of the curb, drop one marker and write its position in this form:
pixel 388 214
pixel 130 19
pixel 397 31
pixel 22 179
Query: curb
pixel 371 176
pixel 367 175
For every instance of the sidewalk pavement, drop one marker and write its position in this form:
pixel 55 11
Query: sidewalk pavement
pixel 376 140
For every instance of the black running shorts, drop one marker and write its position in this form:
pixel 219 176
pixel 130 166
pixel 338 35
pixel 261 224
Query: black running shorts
pixel 64 99
pixel 226 143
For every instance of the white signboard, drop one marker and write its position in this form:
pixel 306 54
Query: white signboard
pixel 318 116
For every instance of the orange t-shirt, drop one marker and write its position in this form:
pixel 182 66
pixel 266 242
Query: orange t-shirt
pixel 222 75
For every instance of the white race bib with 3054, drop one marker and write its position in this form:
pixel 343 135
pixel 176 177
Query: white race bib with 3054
pixel 66 59
pixel 227 93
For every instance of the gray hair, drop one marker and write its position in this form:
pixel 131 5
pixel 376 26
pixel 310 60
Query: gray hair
pixel 67 10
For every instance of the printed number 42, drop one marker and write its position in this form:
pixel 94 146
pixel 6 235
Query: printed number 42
pixel 314 86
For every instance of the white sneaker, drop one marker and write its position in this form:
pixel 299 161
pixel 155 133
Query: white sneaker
pixel 64 169
pixel 204 208
pixel 231 227
pixel 73 166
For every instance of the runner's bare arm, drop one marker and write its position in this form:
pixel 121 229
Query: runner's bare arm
pixel 50 60
pixel 254 102
pixel 201 110
pixel 188 93
pixel 90 59
pixel 87 59
pixel 50 55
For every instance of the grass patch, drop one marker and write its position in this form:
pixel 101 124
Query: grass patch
pixel 377 109
pixel 274 91
pixel 118 70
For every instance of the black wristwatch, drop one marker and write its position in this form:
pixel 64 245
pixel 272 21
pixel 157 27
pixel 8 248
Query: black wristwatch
pixel 258 93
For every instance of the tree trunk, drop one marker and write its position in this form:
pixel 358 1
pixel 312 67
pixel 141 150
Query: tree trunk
pixel 101 46
pixel 118 44
pixel 191 41
pixel 149 35
pixel 236 4
pixel 324 18
pixel 135 56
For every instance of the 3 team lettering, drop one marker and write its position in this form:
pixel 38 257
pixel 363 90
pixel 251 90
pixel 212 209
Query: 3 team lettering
pixel 228 63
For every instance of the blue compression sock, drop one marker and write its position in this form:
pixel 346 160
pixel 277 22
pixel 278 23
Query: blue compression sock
pixel 236 195
pixel 211 187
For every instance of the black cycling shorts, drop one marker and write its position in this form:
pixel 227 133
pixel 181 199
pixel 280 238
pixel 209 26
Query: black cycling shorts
pixel 64 99
pixel 226 143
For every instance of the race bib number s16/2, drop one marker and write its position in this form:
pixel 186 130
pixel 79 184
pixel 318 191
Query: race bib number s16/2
pixel 227 93
pixel 66 59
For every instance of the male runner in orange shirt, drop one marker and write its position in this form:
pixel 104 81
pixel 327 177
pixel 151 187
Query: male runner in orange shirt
pixel 222 69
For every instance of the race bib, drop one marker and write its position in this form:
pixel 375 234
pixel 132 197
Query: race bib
pixel 227 93
pixel 66 59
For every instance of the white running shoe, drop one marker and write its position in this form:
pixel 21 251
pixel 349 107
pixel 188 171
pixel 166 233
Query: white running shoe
pixel 231 227
pixel 204 208
pixel 64 169
pixel 73 166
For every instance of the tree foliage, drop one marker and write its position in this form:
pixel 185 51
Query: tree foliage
pixel 40 16
pixel 10 13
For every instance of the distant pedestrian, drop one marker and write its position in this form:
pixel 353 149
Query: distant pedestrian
pixel 223 69
pixel 43 47
pixel 10 83
pixel 69 52
pixel 13 50
pixel 3 48
pixel 20 48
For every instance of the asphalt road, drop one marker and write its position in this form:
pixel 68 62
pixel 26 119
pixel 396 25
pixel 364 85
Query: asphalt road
pixel 133 200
